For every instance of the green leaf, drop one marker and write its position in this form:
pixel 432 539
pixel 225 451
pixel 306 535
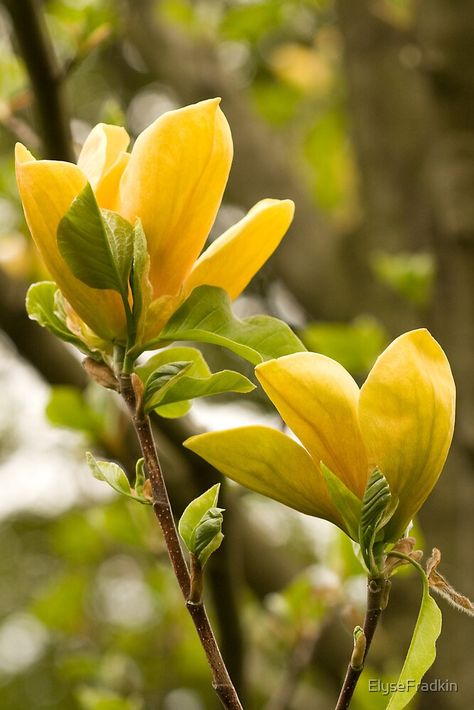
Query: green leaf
pixel 206 317
pixel 115 476
pixel 422 651
pixel 207 535
pixel 162 376
pixel 194 513
pixel 170 382
pixel 96 244
pixel 185 388
pixel 348 505
pixel 199 368
pixel 141 287
pixel 42 307
pixel 140 476
pixel 378 507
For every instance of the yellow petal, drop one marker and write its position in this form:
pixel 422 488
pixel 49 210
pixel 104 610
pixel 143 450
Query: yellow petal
pixel 107 191
pixel 270 463
pixel 318 399
pixel 47 189
pixel 174 183
pixel 407 418
pixel 156 317
pixel 232 260
pixel 103 153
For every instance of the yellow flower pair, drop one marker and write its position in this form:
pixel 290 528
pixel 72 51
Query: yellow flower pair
pixel 173 181
pixel 401 420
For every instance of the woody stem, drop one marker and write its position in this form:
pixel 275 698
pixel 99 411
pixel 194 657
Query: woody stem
pixel 221 681
pixel 377 588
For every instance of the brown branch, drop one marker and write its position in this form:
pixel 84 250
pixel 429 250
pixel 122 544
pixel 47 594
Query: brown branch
pixel 38 54
pixel 376 598
pixel 222 683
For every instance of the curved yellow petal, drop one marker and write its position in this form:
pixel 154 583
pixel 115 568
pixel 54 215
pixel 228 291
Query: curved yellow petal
pixel 174 183
pixel 232 260
pixel 406 416
pixel 47 189
pixel 108 190
pixel 101 154
pixel 270 463
pixel 318 400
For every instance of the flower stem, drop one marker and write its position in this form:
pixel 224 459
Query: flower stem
pixel 377 590
pixel 222 683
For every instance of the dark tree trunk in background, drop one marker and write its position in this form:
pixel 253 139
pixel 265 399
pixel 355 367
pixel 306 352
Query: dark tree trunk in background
pixel 446 36
pixel 411 105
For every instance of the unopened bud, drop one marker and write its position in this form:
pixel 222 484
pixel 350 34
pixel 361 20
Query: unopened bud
pixel 101 373
pixel 360 644
pixel 138 389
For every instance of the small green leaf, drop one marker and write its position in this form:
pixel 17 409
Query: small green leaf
pixel 348 505
pixel 142 291
pixel 207 535
pixel 206 317
pixel 96 244
pixel 194 513
pixel 170 355
pixel 378 507
pixel 162 376
pixel 41 305
pixel 178 381
pixel 115 476
pixel 185 388
pixel 140 476
pixel 422 651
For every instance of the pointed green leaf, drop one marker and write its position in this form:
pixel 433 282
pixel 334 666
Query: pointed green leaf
pixel 183 353
pixel 378 507
pixel 41 306
pixel 140 476
pixel 422 651
pixel 161 377
pixel 348 505
pixel 194 513
pixel 96 244
pixel 206 317
pixel 207 535
pixel 115 476
pixel 142 291
pixel 172 382
pixel 185 388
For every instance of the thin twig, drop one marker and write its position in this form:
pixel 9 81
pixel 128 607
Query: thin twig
pixel 45 76
pixel 376 601
pixel 222 683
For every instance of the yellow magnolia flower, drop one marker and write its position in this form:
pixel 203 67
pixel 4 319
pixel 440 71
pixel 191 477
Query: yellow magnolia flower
pixel 401 420
pixel 173 181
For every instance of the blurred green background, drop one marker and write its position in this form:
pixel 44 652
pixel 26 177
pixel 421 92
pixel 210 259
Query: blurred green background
pixel 362 112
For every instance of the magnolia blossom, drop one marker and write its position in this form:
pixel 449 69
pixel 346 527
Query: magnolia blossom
pixel 173 181
pixel 401 420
